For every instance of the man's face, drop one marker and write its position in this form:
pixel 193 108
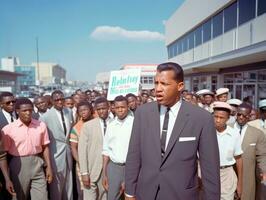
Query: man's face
pixel 84 112
pixel 167 89
pixel 41 104
pixel 208 99
pixel 222 97
pixel 58 101
pixel 220 119
pixel 69 103
pixel 76 99
pixel 144 97
pixel 132 103
pixel 8 103
pixel 243 115
pixel 263 113
pixel 102 110
pixel 188 97
pixel 121 109
pixel 25 112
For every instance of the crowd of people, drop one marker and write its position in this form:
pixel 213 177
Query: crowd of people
pixel 164 144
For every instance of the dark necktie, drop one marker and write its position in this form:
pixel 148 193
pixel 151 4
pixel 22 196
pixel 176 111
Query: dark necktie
pixel 164 131
pixel 11 117
pixel 104 126
pixel 240 129
pixel 63 121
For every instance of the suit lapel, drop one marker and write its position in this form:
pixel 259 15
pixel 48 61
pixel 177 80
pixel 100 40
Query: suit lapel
pixel 55 117
pixel 181 120
pixel 155 128
pixel 3 119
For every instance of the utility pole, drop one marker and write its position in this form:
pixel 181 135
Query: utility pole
pixel 38 67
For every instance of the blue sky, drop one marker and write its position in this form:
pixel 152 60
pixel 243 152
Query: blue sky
pixel 85 36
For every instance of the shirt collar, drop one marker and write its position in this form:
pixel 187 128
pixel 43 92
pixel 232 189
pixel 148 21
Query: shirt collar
pixel 7 113
pixel 238 126
pixel 19 123
pixel 226 131
pixel 174 109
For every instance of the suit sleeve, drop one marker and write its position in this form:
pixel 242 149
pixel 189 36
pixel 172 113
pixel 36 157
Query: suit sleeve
pixel 261 151
pixel 133 161
pixel 209 161
pixel 83 150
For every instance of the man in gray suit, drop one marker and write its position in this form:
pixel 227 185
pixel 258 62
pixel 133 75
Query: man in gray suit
pixel 90 152
pixel 59 121
pixel 168 138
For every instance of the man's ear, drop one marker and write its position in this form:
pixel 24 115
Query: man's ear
pixel 180 86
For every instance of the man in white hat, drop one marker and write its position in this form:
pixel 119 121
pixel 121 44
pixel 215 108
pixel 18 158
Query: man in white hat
pixel 234 103
pixel 260 124
pixel 208 99
pixel 222 94
pixel 229 142
pixel 199 94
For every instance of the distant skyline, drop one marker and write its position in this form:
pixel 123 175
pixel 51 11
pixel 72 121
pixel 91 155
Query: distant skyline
pixel 85 37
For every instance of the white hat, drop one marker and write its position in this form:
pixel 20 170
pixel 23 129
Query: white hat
pixel 222 91
pixel 204 92
pixel 262 104
pixel 236 102
pixel 220 104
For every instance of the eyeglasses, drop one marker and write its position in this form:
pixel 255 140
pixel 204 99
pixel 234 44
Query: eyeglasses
pixel 9 102
pixel 240 114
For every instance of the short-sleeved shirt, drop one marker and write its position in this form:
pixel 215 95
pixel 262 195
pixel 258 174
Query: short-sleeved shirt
pixel 229 142
pixel 75 132
pixel 22 140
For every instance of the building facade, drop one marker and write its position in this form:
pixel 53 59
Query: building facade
pixel 49 73
pixel 222 44
pixel 9 63
pixel 28 79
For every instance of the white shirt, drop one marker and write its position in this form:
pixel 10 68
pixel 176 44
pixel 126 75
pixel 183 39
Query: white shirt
pixel 172 118
pixel 8 116
pixel 229 142
pixel 116 139
pixel 243 131
pixel 67 122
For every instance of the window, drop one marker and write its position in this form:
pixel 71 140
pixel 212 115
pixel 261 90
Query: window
pixel 261 7
pixel 217 25
pixel 230 17
pixel 191 40
pixel 184 44
pixel 198 36
pixel 246 10
pixel 206 28
pixel 179 45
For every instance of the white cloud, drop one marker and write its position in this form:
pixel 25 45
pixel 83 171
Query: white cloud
pixel 117 33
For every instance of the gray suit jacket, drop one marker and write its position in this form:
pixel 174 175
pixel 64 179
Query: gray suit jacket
pixel 61 156
pixel 3 120
pixel 90 149
pixel 176 173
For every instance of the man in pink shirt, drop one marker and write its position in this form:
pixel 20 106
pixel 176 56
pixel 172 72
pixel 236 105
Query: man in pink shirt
pixel 26 140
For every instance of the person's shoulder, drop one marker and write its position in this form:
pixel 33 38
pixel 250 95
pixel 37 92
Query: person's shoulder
pixel 255 131
pixel 147 107
pixel 254 122
pixel 92 122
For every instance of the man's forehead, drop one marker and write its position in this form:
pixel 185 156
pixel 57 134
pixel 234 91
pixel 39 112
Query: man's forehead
pixel 7 98
pixel 25 106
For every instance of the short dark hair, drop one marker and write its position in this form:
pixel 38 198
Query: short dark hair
pixel 100 100
pixel 131 95
pixel 56 92
pixel 179 73
pixel 245 106
pixel 66 98
pixel 84 103
pixel 22 101
pixel 5 94
pixel 120 98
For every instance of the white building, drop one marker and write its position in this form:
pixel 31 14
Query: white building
pixel 9 63
pixel 49 73
pixel 221 43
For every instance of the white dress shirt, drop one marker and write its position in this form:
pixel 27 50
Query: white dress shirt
pixel 116 139
pixel 229 142
pixel 8 116
pixel 67 122
pixel 243 131
pixel 108 120
pixel 173 112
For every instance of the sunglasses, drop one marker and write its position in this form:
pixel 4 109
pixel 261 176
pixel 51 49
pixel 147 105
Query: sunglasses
pixel 239 115
pixel 9 102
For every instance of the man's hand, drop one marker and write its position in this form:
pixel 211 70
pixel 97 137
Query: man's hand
pixel 49 175
pixel 263 176
pixel 105 183
pixel 122 188
pixel 10 187
pixel 239 189
pixel 86 180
